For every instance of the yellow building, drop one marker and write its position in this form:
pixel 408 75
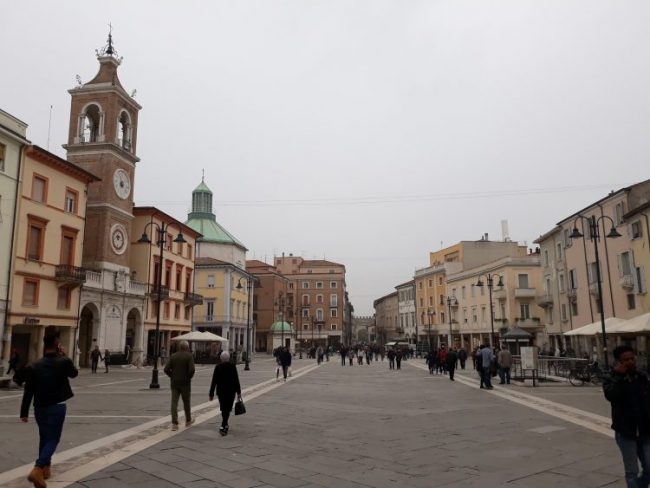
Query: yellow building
pixel 177 279
pixel 637 223
pixel 46 272
pixel 220 268
pixel 514 304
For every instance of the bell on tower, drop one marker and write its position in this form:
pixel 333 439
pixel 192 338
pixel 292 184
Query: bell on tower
pixel 102 111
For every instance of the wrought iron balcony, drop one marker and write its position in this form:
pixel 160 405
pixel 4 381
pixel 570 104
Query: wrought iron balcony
pixel 70 275
pixel 572 294
pixel 153 292
pixel 193 298
pixel 627 281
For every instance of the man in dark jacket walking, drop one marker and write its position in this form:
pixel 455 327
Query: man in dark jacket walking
pixel 452 357
pixel 226 382
pixel 285 361
pixel 47 383
pixel 462 356
pixel 180 369
pixel 628 390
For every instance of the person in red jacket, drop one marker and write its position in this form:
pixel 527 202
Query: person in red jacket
pixel 442 360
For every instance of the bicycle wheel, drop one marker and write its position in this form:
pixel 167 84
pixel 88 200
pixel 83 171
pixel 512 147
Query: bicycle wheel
pixel 576 379
pixel 596 379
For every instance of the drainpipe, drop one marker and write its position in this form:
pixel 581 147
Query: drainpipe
pixel 609 273
pixel 75 342
pixel 5 325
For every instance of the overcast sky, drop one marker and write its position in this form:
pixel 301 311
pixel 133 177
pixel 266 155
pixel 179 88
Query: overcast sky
pixel 367 132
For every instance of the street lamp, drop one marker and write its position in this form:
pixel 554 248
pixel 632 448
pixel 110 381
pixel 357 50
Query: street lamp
pixel 249 286
pixel 593 236
pixel 490 284
pixel 451 301
pixel 430 313
pixel 144 239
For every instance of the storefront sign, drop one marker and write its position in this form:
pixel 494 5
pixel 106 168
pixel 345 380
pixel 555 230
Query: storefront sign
pixel 31 321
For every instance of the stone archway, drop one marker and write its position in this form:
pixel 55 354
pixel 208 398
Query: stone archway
pixel 88 331
pixel 134 337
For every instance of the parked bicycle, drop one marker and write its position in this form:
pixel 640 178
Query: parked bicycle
pixel 589 373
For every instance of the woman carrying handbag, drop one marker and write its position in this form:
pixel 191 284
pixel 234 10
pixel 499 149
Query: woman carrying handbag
pixel 226 382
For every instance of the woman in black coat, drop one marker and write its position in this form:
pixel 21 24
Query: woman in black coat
pixel 226 381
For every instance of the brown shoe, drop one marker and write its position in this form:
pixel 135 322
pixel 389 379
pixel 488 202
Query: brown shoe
pixel 36 477
pixel 46 472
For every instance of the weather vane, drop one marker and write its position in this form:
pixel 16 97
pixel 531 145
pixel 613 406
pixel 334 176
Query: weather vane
pixel 109 49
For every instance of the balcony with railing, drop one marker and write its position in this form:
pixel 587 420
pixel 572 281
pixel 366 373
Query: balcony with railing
pixel 193 298
pixel 67 274
pixel 527 322
pixel 627 281
pixel 500 294
pixel 525 292
pixel 572 294
pixel 154 292
pixel 545 300
pixel 137 287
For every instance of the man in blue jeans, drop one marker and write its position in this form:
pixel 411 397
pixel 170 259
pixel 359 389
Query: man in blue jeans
pixel 628 391
pixel 485 357
pixel 46 382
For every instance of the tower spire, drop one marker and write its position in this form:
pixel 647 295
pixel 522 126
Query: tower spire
pixel 109 48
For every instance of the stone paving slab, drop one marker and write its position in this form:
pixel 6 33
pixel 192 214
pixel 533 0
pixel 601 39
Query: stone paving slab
pixel 358 427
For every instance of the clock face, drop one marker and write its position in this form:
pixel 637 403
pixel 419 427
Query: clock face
pixel 122 184
pixel 118 238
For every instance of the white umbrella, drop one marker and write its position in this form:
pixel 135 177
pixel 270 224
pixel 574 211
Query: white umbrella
pixel 196 336
pixel 611 325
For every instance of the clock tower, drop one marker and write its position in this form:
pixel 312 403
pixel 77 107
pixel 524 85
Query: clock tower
pixel 102 139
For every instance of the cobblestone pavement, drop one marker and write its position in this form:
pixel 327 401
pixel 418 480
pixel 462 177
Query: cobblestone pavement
pixel 367 426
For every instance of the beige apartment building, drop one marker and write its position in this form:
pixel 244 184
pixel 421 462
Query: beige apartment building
pixel 387 318
pixel 434 300
pixel 514 304
pixel 177 280
pixel 13 140
pixel 407 328
pixel 316 298
pixel 46 279
pixel 570 294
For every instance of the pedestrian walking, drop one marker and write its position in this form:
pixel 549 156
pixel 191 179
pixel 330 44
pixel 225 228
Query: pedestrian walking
pixel 628 391
pixel 505 363
pixel 344 354
pixel 391 359
pixel 225 381
pixel 319 354
pixel 452 357
pixel 107 359
pixel 13 362
pixel 351 356
pixel 180 369
pixel 95 357
pixel 485 357
pixel 442 360
pixel 462 357
pixel 47 384
pixel 431 360
pixel 285 362
pixel 398 359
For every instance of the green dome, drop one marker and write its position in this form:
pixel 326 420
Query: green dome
pixel 202 220
pixel 280 326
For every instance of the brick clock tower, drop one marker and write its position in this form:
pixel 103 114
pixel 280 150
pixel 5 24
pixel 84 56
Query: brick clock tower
pixel 102 140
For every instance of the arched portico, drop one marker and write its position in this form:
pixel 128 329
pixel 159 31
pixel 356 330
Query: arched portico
pixel 134 340
pixel 88 332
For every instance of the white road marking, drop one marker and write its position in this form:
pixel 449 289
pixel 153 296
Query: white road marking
pixel 81 461
pixel 585 419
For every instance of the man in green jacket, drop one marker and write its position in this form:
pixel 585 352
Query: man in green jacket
pixel 180 369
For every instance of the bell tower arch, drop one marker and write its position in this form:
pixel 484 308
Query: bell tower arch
pixel 102 139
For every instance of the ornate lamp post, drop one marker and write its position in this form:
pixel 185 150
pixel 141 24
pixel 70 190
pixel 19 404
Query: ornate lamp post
pixel 249 287
pixel 430 313
pixel 594 235
pixel 144 239
pixel 451 301
pixel 490 284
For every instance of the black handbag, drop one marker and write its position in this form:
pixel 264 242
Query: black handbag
pixel 240 409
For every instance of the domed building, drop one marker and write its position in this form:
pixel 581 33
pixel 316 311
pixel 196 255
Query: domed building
pixel 220 276
pixel 283 334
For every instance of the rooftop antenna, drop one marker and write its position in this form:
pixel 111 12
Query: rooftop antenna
pixel 202 175
pixel 49 129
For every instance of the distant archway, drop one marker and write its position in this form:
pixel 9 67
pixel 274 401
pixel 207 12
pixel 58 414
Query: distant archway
pixel 88 331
